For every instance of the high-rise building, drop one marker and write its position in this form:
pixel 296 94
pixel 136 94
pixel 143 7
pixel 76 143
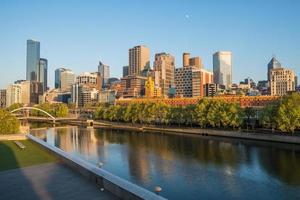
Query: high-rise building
pixel 32 60
pixel 31 92
pixel 196 62
pixel 13 94
pixel 164 67
pixel 104 73
pixel 57 77
pixel 282 81
pixel 222 65
pixel 186 59
pixel 67 79
pixel 82 94
pixel 139 59
pixel 64 78
pixel 90 80
pixel 2 98
pixel 125 71
pixel 43 73
pixel 273 64
pixel 189 81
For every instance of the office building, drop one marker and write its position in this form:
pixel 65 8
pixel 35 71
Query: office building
pixel 67 78
pixel 31 92
pixel 43 73
pixel 213 89
pixel 195 62
pixel 104 73
pixel 125 71
pixel 64 78
pixel 273 64
pixel 139 59
pixel 90 80
pixel 133 86
pixel 191 62
pixel 189 81
pixel 222 67
pixel 164 69
pixel 282 81
pixel 57 77
pixel 13 94
pixel 2 98
pixel 107 96
pixel 82 95
pixel 186 59
pixel 32 60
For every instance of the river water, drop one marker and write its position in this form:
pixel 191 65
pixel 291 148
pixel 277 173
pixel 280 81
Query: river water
pixel 187 167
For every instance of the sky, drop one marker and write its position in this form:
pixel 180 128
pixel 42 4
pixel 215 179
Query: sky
pixel 79 34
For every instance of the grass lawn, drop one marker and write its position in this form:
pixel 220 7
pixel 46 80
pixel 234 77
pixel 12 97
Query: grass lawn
pixel 11 156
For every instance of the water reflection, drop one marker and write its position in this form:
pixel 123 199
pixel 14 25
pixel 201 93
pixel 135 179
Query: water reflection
pixel 188 167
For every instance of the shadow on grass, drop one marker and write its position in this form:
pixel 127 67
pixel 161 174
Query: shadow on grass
pixel 13 183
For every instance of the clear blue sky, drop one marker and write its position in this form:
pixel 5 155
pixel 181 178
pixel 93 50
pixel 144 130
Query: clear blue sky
pixel 78 34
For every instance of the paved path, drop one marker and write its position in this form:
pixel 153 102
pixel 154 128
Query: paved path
pixel 48 181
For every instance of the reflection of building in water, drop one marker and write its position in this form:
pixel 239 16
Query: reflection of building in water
pixel 139 164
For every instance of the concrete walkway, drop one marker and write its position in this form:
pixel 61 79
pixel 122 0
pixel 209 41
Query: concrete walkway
pixel 48 181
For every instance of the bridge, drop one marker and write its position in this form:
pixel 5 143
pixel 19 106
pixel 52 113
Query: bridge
pixel 38 118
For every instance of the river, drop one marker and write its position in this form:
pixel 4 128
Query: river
pixel 187 167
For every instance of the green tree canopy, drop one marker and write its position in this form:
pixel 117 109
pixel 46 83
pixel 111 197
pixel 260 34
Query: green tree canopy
pixel 9 123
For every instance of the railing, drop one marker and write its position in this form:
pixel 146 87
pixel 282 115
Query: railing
pixel 116 185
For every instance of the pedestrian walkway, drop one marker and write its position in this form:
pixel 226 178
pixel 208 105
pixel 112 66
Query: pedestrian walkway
pixel 48 181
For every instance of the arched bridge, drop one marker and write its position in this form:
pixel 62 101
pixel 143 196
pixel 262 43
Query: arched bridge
pixel 51 117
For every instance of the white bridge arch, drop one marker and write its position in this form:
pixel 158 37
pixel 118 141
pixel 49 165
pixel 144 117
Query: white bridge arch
pixel 33 108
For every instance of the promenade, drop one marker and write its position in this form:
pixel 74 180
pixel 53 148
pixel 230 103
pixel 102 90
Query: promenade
pixel 48 181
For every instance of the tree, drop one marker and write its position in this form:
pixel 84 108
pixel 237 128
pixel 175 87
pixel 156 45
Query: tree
pixel 268 115
pixel 201 112
pixel 288 115
pixel 14 106
pixel 9 123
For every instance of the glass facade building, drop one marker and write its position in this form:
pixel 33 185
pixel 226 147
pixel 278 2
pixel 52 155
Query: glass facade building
pixel 42 73
pixel 32 60
pixel 273 64
pixel 222 65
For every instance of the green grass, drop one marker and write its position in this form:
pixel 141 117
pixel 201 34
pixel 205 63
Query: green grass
pixel 11 156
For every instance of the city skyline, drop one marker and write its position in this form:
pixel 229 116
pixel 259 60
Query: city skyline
pixel 60 50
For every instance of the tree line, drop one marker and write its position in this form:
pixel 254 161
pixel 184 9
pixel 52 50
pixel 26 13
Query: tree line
pixel 283 114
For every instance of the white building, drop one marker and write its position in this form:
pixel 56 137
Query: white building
pixel 282 81
pixel 222 65
pixel 13 94
pixel 104 73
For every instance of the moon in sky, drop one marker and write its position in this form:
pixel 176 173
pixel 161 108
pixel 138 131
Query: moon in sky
pixel 187 16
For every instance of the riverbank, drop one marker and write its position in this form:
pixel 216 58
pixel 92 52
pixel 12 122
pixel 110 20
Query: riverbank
pixel 270 137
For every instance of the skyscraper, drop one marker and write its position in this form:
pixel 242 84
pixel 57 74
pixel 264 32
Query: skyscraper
pixel 57 77
pixel 67 79
pixel 64 79
pixel 222 65
pixel 42 73
pixel 32 60
pixel 139 59
pixel 104 73
pixel 273 64
pixel 125 71
pixel 164 64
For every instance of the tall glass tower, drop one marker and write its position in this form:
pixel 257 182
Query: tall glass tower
pixel 222 64
pixel 32 60
pixel 42 73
